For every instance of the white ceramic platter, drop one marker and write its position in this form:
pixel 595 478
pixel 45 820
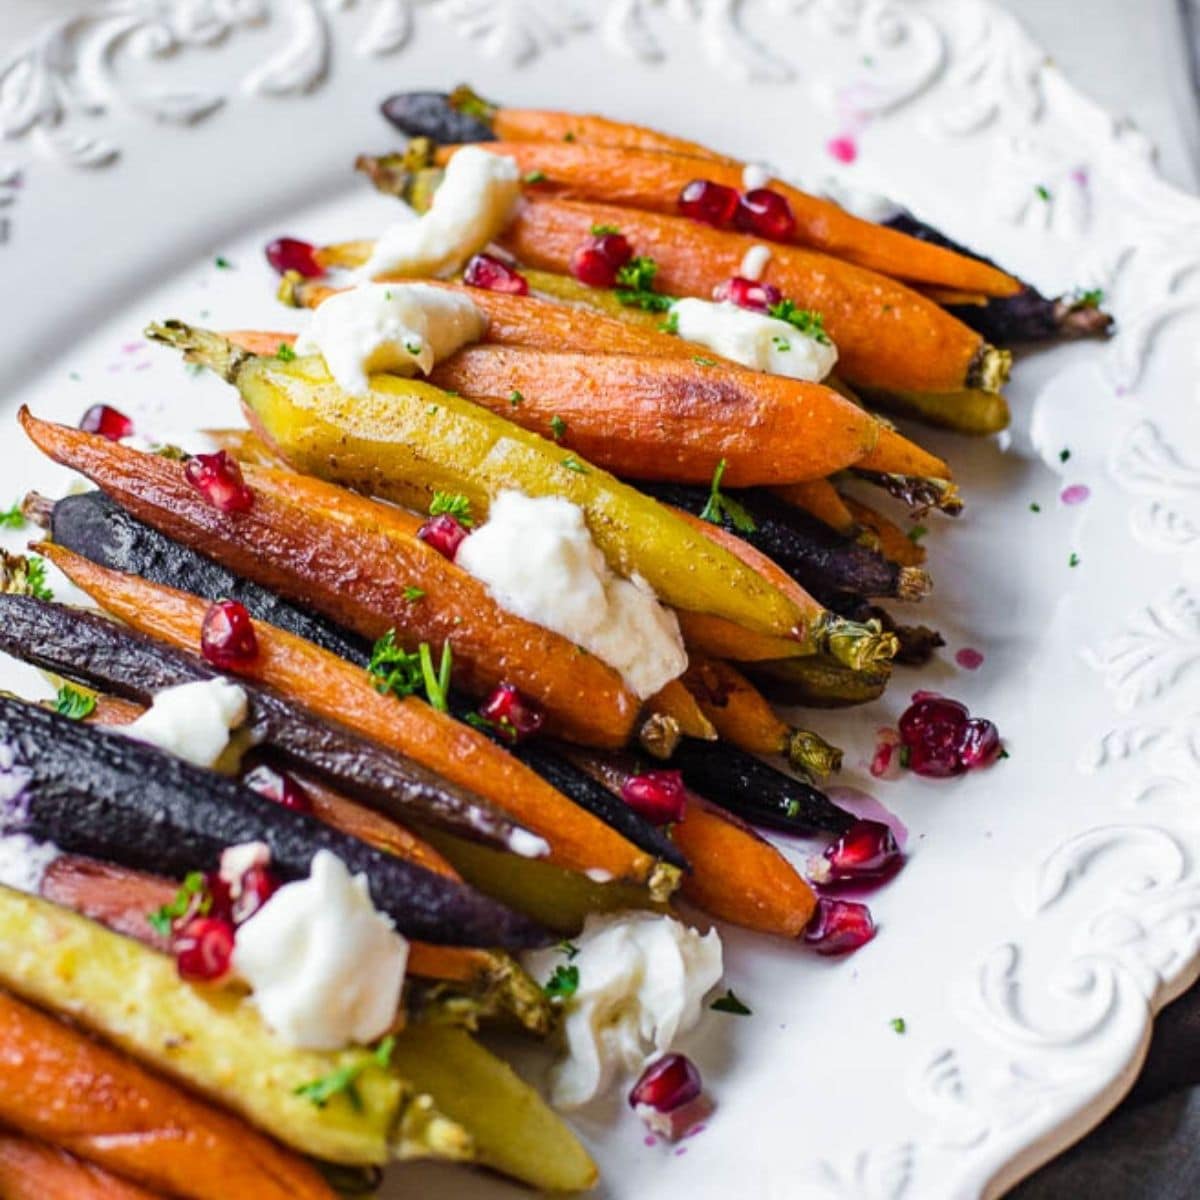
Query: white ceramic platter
pixel 1050 905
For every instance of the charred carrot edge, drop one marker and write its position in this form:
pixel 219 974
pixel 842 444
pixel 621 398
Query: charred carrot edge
pixel 337 691
pixel 296 541
pixel 649 179
pixel 110 1111
pixel 743 717
pixel 820 499
pixel 888 336
pixel 893 541
pixel 32 1170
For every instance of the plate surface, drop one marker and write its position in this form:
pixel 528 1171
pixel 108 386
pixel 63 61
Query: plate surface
pixel 1051 905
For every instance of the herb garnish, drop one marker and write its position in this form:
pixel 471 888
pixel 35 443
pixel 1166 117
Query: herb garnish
pixel 1043 191
pixel 452 504
pixel 414 593
pixel 413 348
pixel 35 578
pixel 905 756
pixel 437 687
pixel 701 361
pixel 781 344
pixel 604 230
pixel 721 508
pixel 573 464
pixel 729 1003
pixel 534 176
pixel 345 1079
pixel 1064 454
pixel 71 702
pixel 899 1024
pixel 1089 297
pixel 806 320
pixel 671 324
pixel 193 886
pixel 916 533
pixel 563 983
pixel 285 353
pixel 222 263
pixel 404 673
pixel 635 285
pixel 1073 561
pixel 557 427
pixel 568 136
pixel 515 397
pixel 568 948
pixel 1035 507
pixel 12 518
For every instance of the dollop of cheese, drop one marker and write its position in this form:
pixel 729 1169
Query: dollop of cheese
pixel 399 327
pixel 754 261
pixel 642 979
pixel 538 560
pixel 24 862
pixel 326 967
pixel 473 203
pixel 754 339
pixel 193 720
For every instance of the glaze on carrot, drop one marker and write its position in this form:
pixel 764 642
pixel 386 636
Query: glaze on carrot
pixel 32 1170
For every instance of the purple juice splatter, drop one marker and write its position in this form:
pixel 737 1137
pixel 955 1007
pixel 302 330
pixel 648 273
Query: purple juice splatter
pixel 649 1140
pixel 969 658
pixel 865 806
pixel 681 1151
pixel 844 148
pixel 1076 493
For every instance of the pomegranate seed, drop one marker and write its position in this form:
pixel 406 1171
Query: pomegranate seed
pixel 107 421
pixel 218 478
pixel 866 850
pixel 932 731
pixel 704 200
pixel 748 293
pixel 444 533
pixel 220 898
pixel 659 796
pixel 253 890
pixel 203 949
pixel 227 637
pixel 765 213
pixel 598 260
pixel 291 254
pixel 980 743
pixel 484 271
pixel 839 926
pixel 280 787
pixel 511 713
pixel 667 1084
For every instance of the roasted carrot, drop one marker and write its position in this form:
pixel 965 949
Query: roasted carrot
pixel 32 1170
pixel 974 411
pixel 660 418
pixel 298 541
pixel 893 541
pixel 742 716
pixel 820 499
pixel 676 701
pixel 894 454
pixel 335 689
pixel 888 336
pixel 652 180
pixel 64 1088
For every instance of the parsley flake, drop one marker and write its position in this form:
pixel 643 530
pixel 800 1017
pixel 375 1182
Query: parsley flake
pixel 515 397
pixel 344 1081
pixel 452 504
pixel 729 1003
pixel 1073 561
pixel 413 348
pixel 437 686
pixel 806 320
pixel 573 464
pixel 1064 455
pixel 414 593
pixel 1089 297
pixel 222 263
pixel 899 1025
pixel 671 324
pixel 285 353
pixel 905 756
pixel 1035 507
pixel 701 361
pixel 568 136
pixel 1043 192
pixel 604 230
pixel 721 508
pixel 193 886
pixel 35 578
pixel 563 984
pixel 12 518
pixel 71 702
pixel 916 533
pixel 534 176
pixel 557 427
pixel 393 668
pixel 635 285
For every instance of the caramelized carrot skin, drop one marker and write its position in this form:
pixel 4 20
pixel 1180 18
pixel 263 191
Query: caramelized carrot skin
pixel 110 1111
pixel 358 575
pixel 888 336
pixel 668 418
pixel 31 1170
pixel 738 876
pixel 820 498
pixel 532 124
pixel 651 180
pixel 340 692
pixel 894 454
pixel 737 709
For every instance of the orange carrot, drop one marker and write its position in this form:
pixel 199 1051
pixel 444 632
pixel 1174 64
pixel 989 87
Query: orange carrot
pixel 338 691
pixel 677 702
pixel 532 124
pixel 651 180
pixel 888 336
pixel 32 1170
pixel 64 1088
pixel 660 418
pixel 893 541
pixel 738 876
pixel 820 499
pixel 737 709
pixel 297 541
pixel 894 454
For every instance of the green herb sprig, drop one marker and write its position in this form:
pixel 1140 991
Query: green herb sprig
pixel 729 1003
pixel 721 508
pixel 71 702
pixel 344 1081
pixel 185 899
pixel 806 320
pixel 453 504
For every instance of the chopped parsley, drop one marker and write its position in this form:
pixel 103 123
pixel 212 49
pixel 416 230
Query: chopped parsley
pixel 222 263
pixel 635 285
pixel 35 578
pixel 1064 454
pixel 71 702
pixel 806 320
pixel 452 504
pixel 781 344
pixel 1073 561
pixel 12 518
pixel 568 136
pixel 573 464
pixel 437 686
pixel 414 593
pixel 899 1025
pixel 1089 297
pixel 671 324
pixel 515 397
pixel 345 1079
pixel 413 348
pixel 193 886
pixel 604 230
pixel 557 427
pixel 403 672
pixel 793 809
pixel 480 722
pixel 905 756
pixel 701 361
pixel 721 508
pixel 563 984
pixel 534 176
pixel 1043 192
pixel 916 533
pixel 285 353
pixel 1035 507
pixel 568 948
pixel 729 1003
